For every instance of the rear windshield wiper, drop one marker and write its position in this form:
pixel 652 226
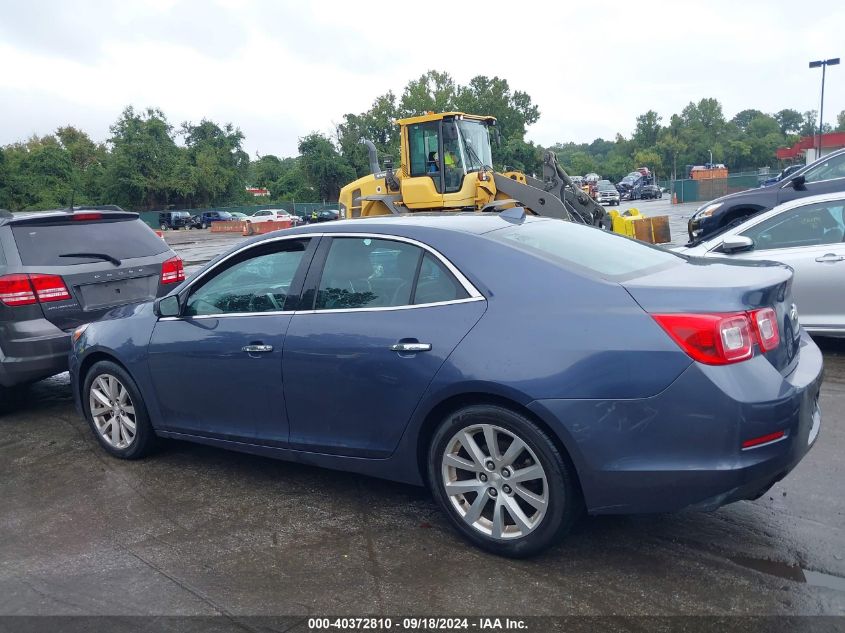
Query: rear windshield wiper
pixel 103 256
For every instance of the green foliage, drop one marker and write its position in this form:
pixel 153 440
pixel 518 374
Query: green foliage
pixel 142 166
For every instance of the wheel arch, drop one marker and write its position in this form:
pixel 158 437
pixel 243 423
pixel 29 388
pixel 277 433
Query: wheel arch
pixel 442 409
pixel 744 210
pixel 90 360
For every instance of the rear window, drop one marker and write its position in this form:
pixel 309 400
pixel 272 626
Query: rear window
pixel 43 245
pixel 609 255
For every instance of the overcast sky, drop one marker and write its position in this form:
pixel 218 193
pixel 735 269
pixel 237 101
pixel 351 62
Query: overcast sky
pixel 280 70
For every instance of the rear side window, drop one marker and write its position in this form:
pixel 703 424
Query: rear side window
pixel 608 255
pixel 45 245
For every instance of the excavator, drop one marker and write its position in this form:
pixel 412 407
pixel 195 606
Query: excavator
pixel 446 165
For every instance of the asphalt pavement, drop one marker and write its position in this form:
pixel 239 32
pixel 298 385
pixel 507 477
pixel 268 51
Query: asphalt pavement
pixel 196 530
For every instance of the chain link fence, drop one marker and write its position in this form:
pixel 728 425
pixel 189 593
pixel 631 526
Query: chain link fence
pixel 689 190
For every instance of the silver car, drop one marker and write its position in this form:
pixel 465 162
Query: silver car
pixel 807 234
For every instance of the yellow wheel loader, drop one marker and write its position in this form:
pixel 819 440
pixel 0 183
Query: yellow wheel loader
pixel 446 165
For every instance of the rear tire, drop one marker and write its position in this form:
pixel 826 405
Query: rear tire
pixel 116 412
pixel 516 500
pixel 163 227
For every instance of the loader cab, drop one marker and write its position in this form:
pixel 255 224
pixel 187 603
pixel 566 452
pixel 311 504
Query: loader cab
pixel 440 152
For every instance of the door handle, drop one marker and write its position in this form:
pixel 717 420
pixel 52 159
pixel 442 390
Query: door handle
pixel 829 257
pixel 257 349
pixel 411 347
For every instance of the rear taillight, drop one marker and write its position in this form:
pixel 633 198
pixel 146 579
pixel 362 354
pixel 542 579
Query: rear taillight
pixel 172 271
pixel 15 290
pixel 82 217
pixel 720 339
pixel 49 288
pixel 766 327
pixel 22 290
pixel 713 339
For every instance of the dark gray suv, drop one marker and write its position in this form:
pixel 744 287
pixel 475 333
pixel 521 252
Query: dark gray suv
pixel 60 269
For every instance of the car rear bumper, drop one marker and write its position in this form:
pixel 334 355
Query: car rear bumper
pixel 683 447
pixel 31 350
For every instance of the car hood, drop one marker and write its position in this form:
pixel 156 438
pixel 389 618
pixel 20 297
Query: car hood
pixel 757 195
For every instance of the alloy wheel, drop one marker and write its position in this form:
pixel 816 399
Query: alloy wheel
pixel 112 411
pixel 495 481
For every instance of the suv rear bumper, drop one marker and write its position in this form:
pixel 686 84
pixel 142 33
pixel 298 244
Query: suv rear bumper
pixel 31 350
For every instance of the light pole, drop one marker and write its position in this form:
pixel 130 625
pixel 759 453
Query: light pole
pixel 711 158
pixel 824 63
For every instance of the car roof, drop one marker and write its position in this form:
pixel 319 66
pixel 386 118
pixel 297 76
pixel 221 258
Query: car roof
pixel 468 222
pixel 7 217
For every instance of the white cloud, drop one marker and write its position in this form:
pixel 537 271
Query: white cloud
pixel 282 70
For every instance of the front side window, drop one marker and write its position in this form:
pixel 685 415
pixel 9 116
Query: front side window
pixel 378 273
pixel 828 169
pixel 810 225
pixel 424 148
pixel 259 281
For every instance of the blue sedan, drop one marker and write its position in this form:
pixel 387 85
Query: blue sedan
pixel 524 369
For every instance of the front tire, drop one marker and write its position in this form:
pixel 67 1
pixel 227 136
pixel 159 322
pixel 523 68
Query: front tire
pixel 115 411
pixel 501 481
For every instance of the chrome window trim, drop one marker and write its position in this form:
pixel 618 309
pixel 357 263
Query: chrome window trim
pixel 391 308
pixel 465 283
pixel 474 294
pixel 221 315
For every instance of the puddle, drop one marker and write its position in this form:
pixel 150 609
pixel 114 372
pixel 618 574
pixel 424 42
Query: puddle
pixel 791 572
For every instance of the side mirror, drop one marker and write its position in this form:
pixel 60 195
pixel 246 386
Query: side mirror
pixel 737 244
pixel 167 306
pixel 797 183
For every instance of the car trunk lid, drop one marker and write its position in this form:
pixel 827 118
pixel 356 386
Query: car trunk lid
pixel 715 286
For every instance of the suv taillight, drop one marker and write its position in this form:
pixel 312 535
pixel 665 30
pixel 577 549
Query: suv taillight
pixel 172 271
pixel 21 290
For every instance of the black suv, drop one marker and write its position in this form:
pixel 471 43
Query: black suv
pixel 175 220
pixel 826 175
pixel 204 220
pixel 62 269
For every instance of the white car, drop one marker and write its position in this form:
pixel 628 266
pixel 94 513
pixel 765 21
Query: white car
pixel 273 215
pixel 806 234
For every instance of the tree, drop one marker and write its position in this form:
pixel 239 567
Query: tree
pixel 789 120
pixel 647 130
pixel 218 164
pixel 144 154
pixel 433 92
pixel 324 168
pixel 743 119
pixel 840 121
pixel 810 125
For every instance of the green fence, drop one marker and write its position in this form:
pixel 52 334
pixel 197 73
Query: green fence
pixel 302 209
pixel 689 190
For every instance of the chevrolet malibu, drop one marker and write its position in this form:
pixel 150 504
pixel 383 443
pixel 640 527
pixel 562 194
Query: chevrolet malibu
pixel 524 369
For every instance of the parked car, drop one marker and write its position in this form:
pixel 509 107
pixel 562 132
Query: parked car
pixel 607 193
pixel 646 382
pixel 175 220
pixel 206 218
pixel 328 215
pixel 807 235
pixel 239 216
pixel 273 215
pixel 788 171
pixel 826 175
pixel 60 269
pixel 650 192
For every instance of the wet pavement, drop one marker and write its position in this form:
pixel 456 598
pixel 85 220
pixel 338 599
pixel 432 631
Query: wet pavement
pixel 198 530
